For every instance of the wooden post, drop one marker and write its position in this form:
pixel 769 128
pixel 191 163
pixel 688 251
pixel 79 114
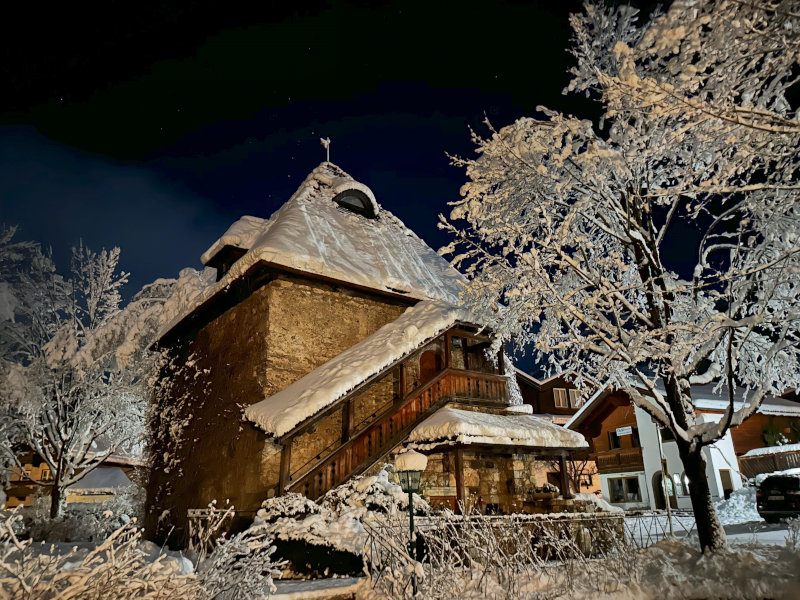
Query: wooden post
pixel 500 365
pixel 447 345
pixel 402 368
pixel 565 491
pixel 348 411
pixel 286 460
pixel 461 496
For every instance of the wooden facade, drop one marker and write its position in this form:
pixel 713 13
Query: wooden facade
pixel 750 434
pixel 553 396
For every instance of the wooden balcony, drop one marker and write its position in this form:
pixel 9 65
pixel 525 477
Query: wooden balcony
pixel 374 439
pixel 619 460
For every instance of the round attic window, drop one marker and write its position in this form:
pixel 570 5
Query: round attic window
pixel 355 201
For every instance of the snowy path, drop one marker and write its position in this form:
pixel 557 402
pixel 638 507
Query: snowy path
pixel 758 531
pixel 328 589
pixel 647 531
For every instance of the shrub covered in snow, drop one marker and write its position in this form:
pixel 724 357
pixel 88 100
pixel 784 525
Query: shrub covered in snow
pixel 84 522
pixel 124 566
pixel 328 536
pixel 599 503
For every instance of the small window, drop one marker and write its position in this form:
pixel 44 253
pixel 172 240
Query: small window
pixel 613 440
pixel 560 397
pixel 624 489
pixel 574 398
pixel 635 438
pixel 356 201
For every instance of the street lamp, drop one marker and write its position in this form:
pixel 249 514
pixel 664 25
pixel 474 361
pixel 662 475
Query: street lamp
pixel 409 466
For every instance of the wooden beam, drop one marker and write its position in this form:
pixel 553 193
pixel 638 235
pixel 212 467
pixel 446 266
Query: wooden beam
pixel 501 368
pixel 565 491
pixel 348 414
pixel 461 492
pixel 402 367
pixel 286 459
pixel 447 345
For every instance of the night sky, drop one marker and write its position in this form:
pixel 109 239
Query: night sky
pixel 155 128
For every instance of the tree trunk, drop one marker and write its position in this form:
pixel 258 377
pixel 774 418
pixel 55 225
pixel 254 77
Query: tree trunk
pixel 709 530
pixel 57 501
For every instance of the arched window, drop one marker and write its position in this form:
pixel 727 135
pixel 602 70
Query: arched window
pixel 355 201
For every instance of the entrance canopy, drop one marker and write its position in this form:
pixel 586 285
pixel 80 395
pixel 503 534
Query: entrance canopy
pixel 451 426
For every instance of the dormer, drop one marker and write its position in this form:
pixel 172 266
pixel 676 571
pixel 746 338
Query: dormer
pixel 223 260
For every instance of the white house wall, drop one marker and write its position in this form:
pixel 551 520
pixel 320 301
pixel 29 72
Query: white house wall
pixel 719 456
pixel 606 491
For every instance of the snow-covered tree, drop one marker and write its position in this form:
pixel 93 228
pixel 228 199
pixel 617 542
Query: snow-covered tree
pixel 69 405
pixel 76 370
pixel 568 232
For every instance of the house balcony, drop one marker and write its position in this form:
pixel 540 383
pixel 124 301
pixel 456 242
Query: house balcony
pixel 619 460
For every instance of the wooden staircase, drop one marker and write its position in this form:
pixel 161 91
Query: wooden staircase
pixel 372 442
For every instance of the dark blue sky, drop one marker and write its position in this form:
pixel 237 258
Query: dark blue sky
pixel 155 130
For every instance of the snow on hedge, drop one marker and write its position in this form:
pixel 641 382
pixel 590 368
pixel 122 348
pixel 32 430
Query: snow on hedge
pixel 279 413
pixel 773 450
pixel 336 521
pixel 453 425
pixel 599 503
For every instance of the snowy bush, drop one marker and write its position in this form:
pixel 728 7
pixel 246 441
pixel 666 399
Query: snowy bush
pixel 482 557
pixel 84 522
pixel 241 567
pixel 116 568
pixel 476 556
pixel 123 566
pixel 329 536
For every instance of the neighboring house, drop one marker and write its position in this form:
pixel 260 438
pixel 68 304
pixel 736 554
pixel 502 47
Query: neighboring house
pixel 629 447
pixel 330 340
pixel 557 399
pixel 554 397
pixel 99 485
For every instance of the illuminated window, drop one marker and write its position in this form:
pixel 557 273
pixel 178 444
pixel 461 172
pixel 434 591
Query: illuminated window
pixel 574 398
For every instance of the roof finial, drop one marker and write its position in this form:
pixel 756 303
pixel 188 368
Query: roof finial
pixel 327 143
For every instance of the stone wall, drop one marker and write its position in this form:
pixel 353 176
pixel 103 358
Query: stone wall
pixel 278 334
pixel 493 482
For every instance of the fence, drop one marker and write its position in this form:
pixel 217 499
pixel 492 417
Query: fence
pixel 504 551
pixel 750 466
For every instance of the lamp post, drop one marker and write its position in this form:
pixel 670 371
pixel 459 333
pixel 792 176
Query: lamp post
pixel 409 466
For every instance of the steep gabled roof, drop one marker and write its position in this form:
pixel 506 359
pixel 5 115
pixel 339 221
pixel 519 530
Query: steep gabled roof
pixel 309 395
pixel 704 397
pixel 312 234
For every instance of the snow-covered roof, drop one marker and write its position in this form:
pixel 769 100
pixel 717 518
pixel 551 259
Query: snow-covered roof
pixel 451 425
pixel 312 234
pixel 242 234
pixel 773 450
pixel 704 397
pixel 102 479
pixel 323 386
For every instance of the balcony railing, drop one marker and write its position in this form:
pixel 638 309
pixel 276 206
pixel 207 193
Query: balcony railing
pixel 620 460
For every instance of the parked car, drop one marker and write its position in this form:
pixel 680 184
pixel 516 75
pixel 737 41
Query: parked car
pixel 778 497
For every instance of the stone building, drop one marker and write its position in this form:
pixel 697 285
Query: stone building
pixel 330 339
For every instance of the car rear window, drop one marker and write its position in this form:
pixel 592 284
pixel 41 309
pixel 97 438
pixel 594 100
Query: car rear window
pixel 782 483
